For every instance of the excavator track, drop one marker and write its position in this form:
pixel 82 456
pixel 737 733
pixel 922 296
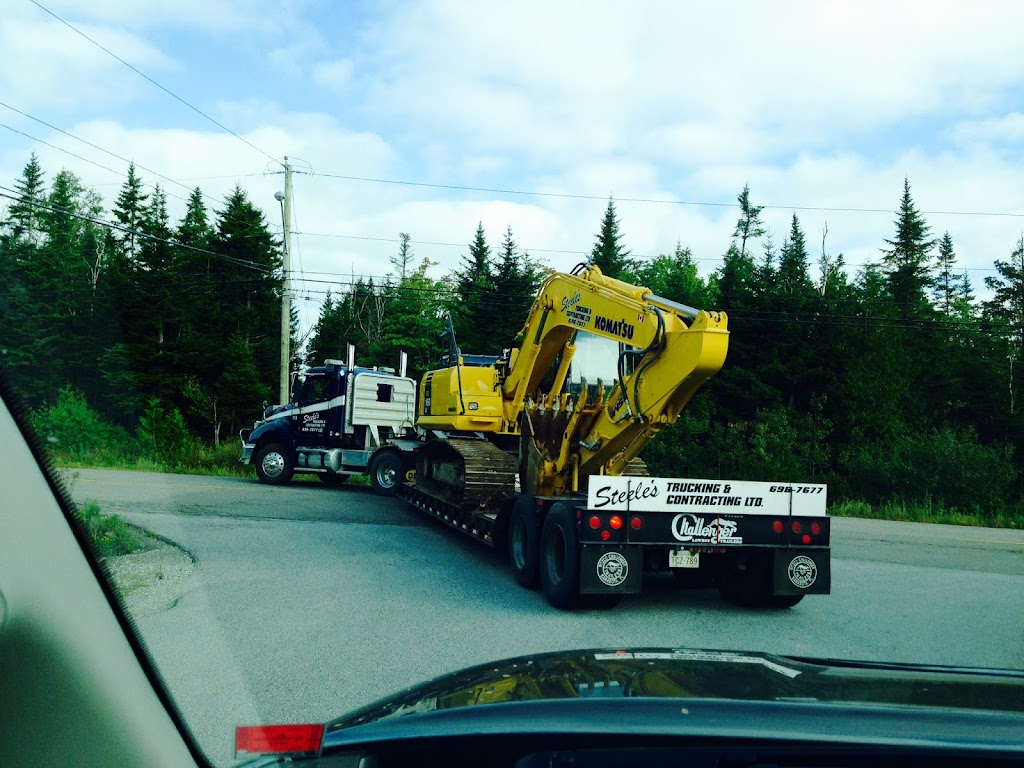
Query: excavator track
pixel 471 474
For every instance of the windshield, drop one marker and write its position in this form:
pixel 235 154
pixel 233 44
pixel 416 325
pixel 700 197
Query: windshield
pixel 823 463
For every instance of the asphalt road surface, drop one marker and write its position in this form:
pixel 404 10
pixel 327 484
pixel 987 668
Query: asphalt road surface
pixel 307 601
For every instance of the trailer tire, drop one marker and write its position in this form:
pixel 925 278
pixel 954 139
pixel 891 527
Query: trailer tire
pixel 749 586
pixel 781 602
pixel 560 558
pixel 522 543
pixel 274 464
pixel 386 473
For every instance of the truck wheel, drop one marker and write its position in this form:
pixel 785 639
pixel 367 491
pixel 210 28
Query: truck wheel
pixel 386 473
pixel 274 464
pixel 522 543
pixel 560 558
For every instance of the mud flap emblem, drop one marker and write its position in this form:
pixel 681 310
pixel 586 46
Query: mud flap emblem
pixel 802 572
pixel 612 569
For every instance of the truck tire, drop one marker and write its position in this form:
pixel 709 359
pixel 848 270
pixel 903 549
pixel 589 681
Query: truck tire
pixel 522 543
pixel 560 558
pixel 274 464
pixel 386 473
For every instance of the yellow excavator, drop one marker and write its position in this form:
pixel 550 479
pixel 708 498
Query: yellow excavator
pixel 495 421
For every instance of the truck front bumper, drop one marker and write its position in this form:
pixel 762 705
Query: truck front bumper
pixel 247 449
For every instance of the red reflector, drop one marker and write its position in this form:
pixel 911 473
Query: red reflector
pixel 815 528
pixel 806 539
pixel 797 527
pixel 277 739
pixel 615 522
pixel 636 523
pixel 777 526
pixel 595 522
pixel 605 535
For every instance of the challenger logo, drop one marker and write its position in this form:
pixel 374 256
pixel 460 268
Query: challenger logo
pixel 802 571
pixel 612 569
pixel 690 528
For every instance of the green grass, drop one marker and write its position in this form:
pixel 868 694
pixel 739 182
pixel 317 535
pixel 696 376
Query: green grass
pixel 924 513
pixel 110 534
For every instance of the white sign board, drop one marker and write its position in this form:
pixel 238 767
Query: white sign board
pixel 714 497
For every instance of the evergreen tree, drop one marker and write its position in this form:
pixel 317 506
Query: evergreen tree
pixel 480 324
pixel 749 227
pixel 608 254
pixel 23 223
pixel 948 284
pixel 907 260
pixel 515 283
pixel 402 261
pixel 129 209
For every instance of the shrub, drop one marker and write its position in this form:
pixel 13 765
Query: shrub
pixel 76 433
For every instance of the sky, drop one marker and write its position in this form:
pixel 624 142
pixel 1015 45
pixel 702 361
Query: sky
pixel 388 111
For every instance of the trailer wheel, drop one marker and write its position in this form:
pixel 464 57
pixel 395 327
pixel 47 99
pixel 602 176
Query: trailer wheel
pixel 386 473
pixel 747 582
pixel 522 543
pixel 274 464
pixel 560 558
pixel 782 602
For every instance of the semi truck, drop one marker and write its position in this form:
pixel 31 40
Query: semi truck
pixel 536 452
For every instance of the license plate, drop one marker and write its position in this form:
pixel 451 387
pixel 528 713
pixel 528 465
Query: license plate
pixel 683 558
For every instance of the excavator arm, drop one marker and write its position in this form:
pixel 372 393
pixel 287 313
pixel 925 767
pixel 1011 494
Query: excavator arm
pixel 670 351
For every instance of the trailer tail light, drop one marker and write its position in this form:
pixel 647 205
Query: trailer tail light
pixel 605 535
pixel 778 527
pixel 797 526
pixel 806 539
pixel 815 528
pixel 615 522
pixel 636 522
pixel 296 740
pixel 595 522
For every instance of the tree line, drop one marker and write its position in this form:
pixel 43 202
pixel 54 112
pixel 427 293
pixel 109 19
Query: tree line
pixel 893 382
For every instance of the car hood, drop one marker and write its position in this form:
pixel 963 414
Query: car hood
pixel 668 673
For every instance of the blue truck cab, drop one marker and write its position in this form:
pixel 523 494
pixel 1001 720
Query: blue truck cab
pixel 342 420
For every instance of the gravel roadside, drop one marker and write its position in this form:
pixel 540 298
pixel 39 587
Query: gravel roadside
pixel 153 580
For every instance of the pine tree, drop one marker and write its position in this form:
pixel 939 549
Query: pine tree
pixel 24 214
pixel 478 321
pixel 129 209
pixel 907 260
pixel 403 259
pixel 516 281
pixel 948 284
pixel 749 226
pixel 608 255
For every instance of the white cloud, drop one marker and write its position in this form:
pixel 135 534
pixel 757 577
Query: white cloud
pixel 334 75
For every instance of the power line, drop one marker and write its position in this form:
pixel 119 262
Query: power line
pixel 105 151
pixel 127 230
pixel 650 200
pixel 151 80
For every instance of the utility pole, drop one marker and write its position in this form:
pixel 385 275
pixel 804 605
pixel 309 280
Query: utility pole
pixel 286 299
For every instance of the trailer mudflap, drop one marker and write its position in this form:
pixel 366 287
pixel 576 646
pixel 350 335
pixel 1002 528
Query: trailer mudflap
pixel 607 569
pixel 802 571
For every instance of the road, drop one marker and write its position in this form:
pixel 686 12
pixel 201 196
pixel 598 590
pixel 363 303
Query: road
pixel 307 601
